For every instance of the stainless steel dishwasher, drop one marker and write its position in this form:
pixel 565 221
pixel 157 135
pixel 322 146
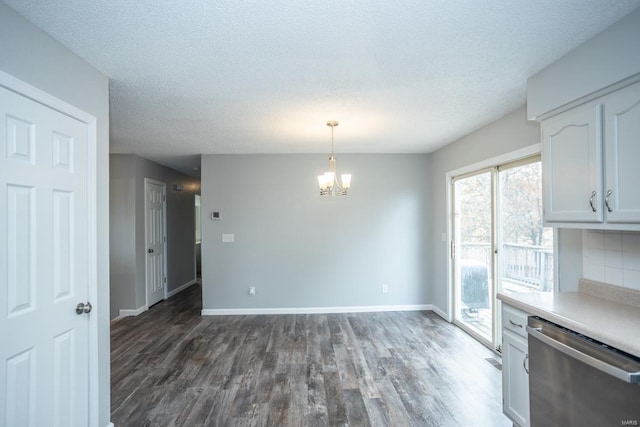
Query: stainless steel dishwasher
pixel 577 381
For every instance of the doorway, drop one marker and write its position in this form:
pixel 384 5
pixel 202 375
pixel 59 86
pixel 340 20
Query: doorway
pixel 499 242
pixel 198 247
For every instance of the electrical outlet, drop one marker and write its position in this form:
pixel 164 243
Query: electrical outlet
pixel 252 290
pixel 385 288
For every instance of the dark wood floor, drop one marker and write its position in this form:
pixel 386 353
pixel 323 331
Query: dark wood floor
pixel 172 367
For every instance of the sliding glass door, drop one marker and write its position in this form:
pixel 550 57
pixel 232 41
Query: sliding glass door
pixel 473 253
pixel 526 246
pixel 499 243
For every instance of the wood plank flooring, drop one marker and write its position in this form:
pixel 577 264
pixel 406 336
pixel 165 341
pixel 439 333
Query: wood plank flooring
pixel 172 367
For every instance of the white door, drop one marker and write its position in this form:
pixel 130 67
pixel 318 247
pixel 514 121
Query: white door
pixel 44 265
pixel 155 237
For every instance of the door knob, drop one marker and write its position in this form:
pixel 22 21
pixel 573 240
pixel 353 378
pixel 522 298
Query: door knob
pixel 83 308
pixel 150 250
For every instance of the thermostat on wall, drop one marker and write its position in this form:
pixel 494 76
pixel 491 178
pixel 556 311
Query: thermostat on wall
pixel 215 216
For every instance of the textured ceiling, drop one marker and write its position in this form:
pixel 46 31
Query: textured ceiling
pixel 204 76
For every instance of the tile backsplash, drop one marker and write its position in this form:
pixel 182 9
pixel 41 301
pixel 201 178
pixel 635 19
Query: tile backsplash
pixel 612 257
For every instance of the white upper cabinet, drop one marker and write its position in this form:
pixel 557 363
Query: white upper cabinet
pixel 591 163
pixel 572 165
pixel 622 155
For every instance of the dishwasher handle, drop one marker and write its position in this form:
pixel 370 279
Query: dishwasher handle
pixel 607 368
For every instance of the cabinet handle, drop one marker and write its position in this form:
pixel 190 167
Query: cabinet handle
pixel 524 363
pixel 517 325
pixel 606 200
pixel 593 194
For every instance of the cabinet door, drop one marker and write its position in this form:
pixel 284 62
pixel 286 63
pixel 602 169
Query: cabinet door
pixel 622 155
pixel 572 165
pixel 515 378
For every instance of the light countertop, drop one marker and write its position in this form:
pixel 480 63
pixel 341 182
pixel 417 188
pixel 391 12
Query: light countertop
pixel 613 323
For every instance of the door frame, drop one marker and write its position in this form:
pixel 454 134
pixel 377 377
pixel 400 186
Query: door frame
pixel 25 89
pixel 148 181
pixel 520 154
pixel 198 218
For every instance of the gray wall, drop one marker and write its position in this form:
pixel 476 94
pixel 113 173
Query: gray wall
pixel 128 250
pixel 122 194
pixel 32 56
pixel 301 250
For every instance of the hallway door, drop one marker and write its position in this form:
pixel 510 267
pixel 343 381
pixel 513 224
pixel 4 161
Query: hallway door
pixel 47 262
pixel 155 230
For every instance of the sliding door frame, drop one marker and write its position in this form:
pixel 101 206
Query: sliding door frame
pixel 472 169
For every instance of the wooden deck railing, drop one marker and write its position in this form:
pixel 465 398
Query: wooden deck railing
pixel 523 265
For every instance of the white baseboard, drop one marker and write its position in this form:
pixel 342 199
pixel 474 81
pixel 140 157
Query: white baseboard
pixel 110 425
pixel 137 311
pixel 181 288
pixel 134 312
pixel 313 310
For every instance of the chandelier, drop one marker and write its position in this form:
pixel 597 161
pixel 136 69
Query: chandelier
pixel 328 182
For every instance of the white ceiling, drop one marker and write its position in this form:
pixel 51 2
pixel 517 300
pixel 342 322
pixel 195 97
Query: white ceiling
pixel 204 76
